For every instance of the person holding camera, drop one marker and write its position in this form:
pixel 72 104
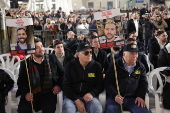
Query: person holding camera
pixel 161 23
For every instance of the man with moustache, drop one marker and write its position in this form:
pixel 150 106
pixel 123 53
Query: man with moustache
pixel 45 76
pixel 132 81
pixel 82 83
pixel 21 43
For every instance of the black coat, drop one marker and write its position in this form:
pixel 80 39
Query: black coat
pixel 130 26
pixel 154 49
pixel 102 59
pixel 6 84
pixel 164 58
pixel 79 81
pixel 133 85
pixel 56 69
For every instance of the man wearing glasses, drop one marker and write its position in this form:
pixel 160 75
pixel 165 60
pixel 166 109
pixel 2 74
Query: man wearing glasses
pixel 156 46
pixel 83 82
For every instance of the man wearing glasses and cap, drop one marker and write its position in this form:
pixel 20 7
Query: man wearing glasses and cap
pixel 132 83
pixel 83 82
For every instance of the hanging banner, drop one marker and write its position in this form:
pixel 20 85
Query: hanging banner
pixel 20 32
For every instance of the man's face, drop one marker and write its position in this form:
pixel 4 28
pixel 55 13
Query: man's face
pixel 39 51
pixel 70 34
pixel 163 37
pixel 130 57
pixel 83 57
pixel 133 36
pixel 110 30
pixel 95 43
pixel 22 36
pixel 59 49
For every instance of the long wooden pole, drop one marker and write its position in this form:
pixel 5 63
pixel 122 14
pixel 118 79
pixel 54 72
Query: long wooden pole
pixel 117 85
pixel 29 83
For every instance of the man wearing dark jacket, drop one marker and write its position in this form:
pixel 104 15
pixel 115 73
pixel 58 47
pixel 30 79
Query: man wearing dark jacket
pixel 45 77
pixel 164 57
pixel 6 84
pixel 132 83
pixel 83 82
pixel 98 54
pixel 156 46
pixel 64 55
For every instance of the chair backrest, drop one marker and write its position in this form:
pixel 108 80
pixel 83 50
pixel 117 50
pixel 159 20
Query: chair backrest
pixel 48 50
pixel 150 65
pixel 151 80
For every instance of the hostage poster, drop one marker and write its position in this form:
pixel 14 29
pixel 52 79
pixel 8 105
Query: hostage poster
pixel 20 32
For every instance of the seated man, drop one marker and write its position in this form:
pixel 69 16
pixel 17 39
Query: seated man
pixel 98 54
pixel 6 84
pixel 164 57
pixel 156 46
pixel 64 55
pixel 71 42
pixel 83 82
pixel 132 83
pixel 45 73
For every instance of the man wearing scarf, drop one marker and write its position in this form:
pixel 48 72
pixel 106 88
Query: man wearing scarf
pixel 45 75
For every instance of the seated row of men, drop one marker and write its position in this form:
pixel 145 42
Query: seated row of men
pixel 82 79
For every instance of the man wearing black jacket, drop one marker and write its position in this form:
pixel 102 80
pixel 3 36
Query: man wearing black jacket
pixel 6 84
pixel 98 54
pixel 83 82
pixel 132 81
pixel 45 76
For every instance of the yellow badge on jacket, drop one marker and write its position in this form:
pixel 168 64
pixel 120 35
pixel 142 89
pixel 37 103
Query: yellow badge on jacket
pixel 137 72
pixel 91 75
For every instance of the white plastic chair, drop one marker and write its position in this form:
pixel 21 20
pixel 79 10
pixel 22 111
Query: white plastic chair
pixel 158 103
pixel 8 106
pixel 150 65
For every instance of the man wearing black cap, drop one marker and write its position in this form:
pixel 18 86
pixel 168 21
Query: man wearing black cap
pixel 143 10
pixel 83 82
pixel 132 83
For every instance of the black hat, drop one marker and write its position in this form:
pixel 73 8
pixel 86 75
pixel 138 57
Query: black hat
pixel 79 13
pixel 166 71
pixel 71 12
pixel 131 47
pixel 60 8
pixel 144 4
pixel 83 46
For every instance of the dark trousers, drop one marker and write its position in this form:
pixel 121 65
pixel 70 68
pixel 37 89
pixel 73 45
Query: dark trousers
pixel 48 104
pixel 2 107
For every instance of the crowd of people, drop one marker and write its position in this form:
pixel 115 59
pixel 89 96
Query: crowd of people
pixel 82 70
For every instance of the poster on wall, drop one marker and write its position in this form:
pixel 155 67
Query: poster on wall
pixel 20 32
